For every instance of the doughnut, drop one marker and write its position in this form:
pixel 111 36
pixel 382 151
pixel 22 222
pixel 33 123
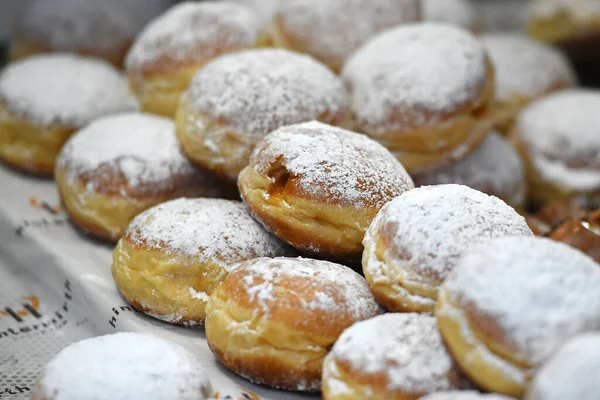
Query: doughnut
pixel 461 13
pixel 45 98
pixel 103 29
pixel 389 357
pixel 318 187
pixel 494 168
pixel 417 239
pixel 465 395
pixel 510 303
pixel 526 70
pixel 121 165
pixel 571 373
pixel 421 90
pixel 332 30
pixel 581 233
pixel 559 140
pixel 273 320
pixel 238 99
pixel 573 24
pixel 503 16
pixel 123 366
pixel 173 256
pixel 168 52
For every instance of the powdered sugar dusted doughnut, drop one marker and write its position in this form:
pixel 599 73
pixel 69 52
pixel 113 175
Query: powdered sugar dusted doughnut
pixel 45 98
pixel 466 395
pixel 419 90
pixel 167 53
pixel 274 320
pixel 332 30
pixel 123 366
pixel 121 165
pixel 393 357
pixel 173 256
pixel 419 237
pixel 237 99
pixel 461 13
pixel 525 70
pixel 96 28
pixel 494 168
pixel 511 302
pixel 318 187
pixel 559 139
pixel 564 21
pixel 571 373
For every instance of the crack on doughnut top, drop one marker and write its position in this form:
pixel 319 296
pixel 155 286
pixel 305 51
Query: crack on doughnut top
pixel 461 13
pixel 64 89
pixel 466 395
pixel 571 373
pixel 525 67
pixel 258 91
pixel 331 164
pixel 332 30
pixel 273 285
pixel 125 366
pixel 194 32
pixel 427 229
pixel 562 135
pixel 495 165
pixel 142 148
pixel 75 25
pixel 414 75
pixel 530 294
pixel 405 348
pixel 580 9
pixel 209 230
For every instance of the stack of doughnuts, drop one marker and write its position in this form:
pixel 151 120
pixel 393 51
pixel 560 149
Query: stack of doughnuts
pixel 333 274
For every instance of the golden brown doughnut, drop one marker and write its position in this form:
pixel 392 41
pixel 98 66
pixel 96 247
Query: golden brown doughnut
pixel 119 166
pixel 571 373
pixel 274 320
pixel 422 91
pixel 45 98
pixel 559 140
pixel 390 357
pixel 526 70
pixel 123 366
pixel 173 256
pixel 494 168
pixel 169 51
pixel 512 302
pixel 318 187
pixel 417 239
pixel 103 29
pixel 238 99
pixel 332 30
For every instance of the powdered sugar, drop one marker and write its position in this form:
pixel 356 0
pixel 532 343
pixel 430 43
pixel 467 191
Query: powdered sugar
pixel 525 67
pixel 260 90
pixel 210 230
pixel 330 287
pixel 194 32
pixel 562 135
pixel 572 373
pixel 537 292
pixel 332 30
pixel 125 366
pixel 410 75
pixel 64 89
pixel 407 348
pixel 142 147
pixel 333 165
pixel 461 13
pixel 465 395
pixel 429 228
pixel 75 25
pixel 493 167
